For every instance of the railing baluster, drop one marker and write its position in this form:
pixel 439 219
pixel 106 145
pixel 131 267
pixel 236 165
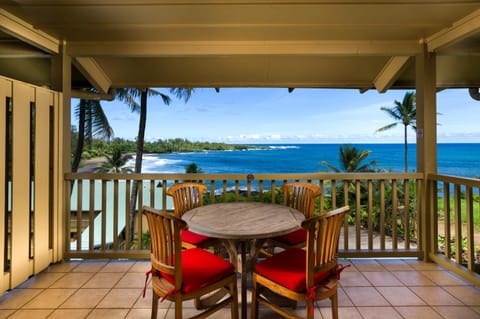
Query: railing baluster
pixel 394 214
pixel 358 214
pixel 115 214
pixel 470 230
pixel 382 214
pixel 91 215
pixel 79 213
pixel 458 223
pixel 406 213
pixel 104 216
pixel 370 214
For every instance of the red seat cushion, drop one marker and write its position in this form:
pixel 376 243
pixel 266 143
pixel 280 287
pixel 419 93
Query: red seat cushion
pixel 293 238
pixel 201 268
pixel 193 238
pixel 288 268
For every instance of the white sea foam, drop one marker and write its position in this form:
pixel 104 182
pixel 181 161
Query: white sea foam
pixel 283 147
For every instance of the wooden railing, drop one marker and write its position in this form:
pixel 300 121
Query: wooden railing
pixel 455 215
pixel 384 220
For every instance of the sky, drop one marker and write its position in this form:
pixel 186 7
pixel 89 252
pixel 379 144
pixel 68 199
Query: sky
pixel 275 116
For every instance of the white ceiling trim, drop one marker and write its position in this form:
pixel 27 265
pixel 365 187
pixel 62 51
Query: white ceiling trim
pixel 458 31
pixel 390 72
pixel 27 33
pixel 94 73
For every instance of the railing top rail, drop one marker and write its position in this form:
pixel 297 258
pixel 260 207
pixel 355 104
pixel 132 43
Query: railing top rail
pixel 472 182
pixel 260 176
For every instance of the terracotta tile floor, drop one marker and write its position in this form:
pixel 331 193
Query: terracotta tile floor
pixel 380 288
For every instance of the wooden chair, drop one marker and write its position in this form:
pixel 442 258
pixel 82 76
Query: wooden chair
pixel 303 274
pixel 183 274
pixel 187 196
pixel 301 196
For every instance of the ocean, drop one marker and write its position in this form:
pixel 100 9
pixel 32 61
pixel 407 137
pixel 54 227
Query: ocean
pixel 462 159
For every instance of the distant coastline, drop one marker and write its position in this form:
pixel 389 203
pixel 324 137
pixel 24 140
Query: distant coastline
pixel 457 159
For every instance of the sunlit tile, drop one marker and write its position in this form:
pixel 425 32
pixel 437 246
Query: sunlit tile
pixel 17 298
pixel 85 298
pixel 422 312
pixel 382 278
pixel 70 314
pixel 365 296
pixel 443 278
pixel 118 266
pixel 457 312
pixel 469 295
pixel 400 296
pixel 131 280
pixel 120 298
pixel 108 314
pixel 31 313
pixel 379 312
pixel 72 280
pixel 90 266
pixel 49 298
pixel 42 280
pixel 103 280
pixel 413 278
pixel 435 296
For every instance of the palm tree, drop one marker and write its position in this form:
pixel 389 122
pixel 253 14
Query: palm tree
pixel 404 112
pixel 116 162
pixel 193 169
pixel 129 96
pixel 92 121
pixel 351 160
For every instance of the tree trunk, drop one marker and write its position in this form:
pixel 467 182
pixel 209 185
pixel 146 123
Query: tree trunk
pixel 406 149
pixel 81 138
pixel 138 164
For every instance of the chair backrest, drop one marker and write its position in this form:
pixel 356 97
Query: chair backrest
pixel 165 251
pixel 301 196
pixel 323 233
pixel 186 196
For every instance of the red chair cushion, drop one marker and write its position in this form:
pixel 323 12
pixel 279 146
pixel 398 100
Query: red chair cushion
pixel 288 268
pixel 293 238
pixel 193 238
pixel 200 268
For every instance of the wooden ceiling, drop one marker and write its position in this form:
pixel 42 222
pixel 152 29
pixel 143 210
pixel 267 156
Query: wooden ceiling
pixel 242 43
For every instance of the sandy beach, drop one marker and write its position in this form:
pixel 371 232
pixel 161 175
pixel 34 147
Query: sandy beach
pixel 90 165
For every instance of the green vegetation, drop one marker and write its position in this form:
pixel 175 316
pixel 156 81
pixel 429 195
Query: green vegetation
pixel 101 147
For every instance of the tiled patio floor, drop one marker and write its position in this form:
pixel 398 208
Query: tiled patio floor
pixel 382 288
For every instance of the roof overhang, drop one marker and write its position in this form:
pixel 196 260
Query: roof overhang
pixel 242 43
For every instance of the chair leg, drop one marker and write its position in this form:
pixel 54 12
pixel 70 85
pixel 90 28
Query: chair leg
pixel 154 305
pixel 234 305
pixel 254 300
pixel 178 308
pixel 334 299
pixel 310 307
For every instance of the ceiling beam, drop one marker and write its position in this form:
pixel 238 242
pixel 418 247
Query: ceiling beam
pixel 20 29
pixel 94 73
pixel 215 48
pixel 390 72
pixel 458 31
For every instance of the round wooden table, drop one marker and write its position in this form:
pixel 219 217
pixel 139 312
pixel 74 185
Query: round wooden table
pixel 240 223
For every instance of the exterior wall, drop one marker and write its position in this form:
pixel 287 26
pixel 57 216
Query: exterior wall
pixel 27 235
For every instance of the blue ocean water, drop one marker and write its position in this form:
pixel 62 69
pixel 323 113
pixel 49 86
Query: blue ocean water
pixel 453 159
